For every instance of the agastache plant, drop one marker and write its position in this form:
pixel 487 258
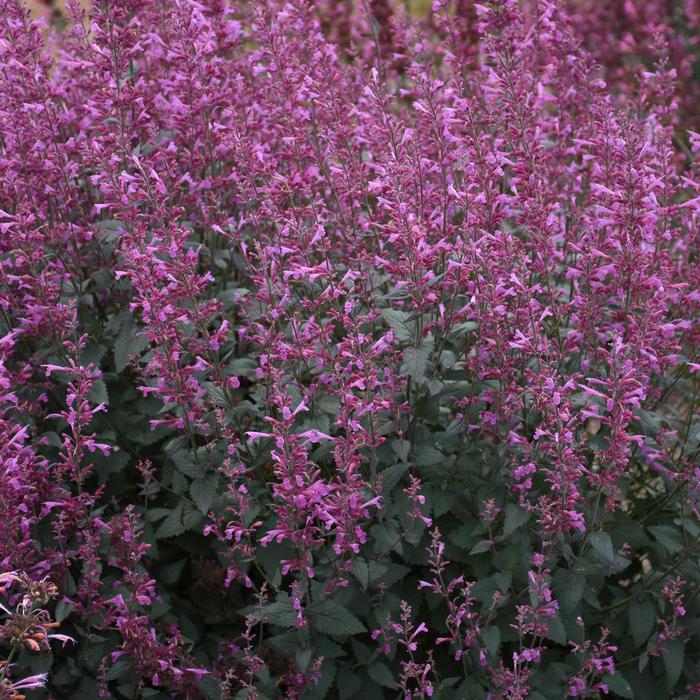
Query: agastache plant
pixel 349 349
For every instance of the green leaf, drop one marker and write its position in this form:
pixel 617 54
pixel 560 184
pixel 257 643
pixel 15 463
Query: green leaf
pixel 641 620
pixel 391 573
pixel 360 570
pixel 186 464
pixel 327 676
pixel 92 353
pixel 492 640
pixel 170 573
pixel 377 570
pixel 106 466
pixel 401 448
pixel 172 525
pixel 63 609
pixel 129 342
pixel 191 517
pixel 286 644
pixel 108 230
pixel 459 329
pixel 673 660
pixel 515 517
pixel 398 322
pixel 391 477
pixel 426 456
pixel 349 683
pixel 98 392
pixel 119 669
pixel 667 536
pixel 443 501
pixel 480 547
pixel 336 620
pixel 415 360
pixel 556 631
pixel 572 592
pixel 380 673
pixel 210 687
pixel 203 490
pixel 328 649
pixel 361 653
pixel 602 545
pixel 303 658
pixel 386 536
pixel 618 684
pixel 280 613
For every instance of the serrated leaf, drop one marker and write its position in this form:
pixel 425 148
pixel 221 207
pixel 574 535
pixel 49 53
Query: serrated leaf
pixel 360 570
pixel 170 573
pixel 98 392
pixel 398 322
pixel 92 353
pixel 186 464
pixel 63 609
pixel 443 501
pixel 320 690
pixel 641 620
pixel 394 573
pixel 361 653
pixel 602 546
pixel 349 683
pixel 332 618
pixel 286 644
pixel 156 514
pixel 203 490
pixel 391 476
pixel 503 580
pixel 191 518
pixel 556 631
pixel 108 230
pixel 572 592
pixel 386 536
pixel 328 649
pixel 119 669
pixel 377 570
pixel 492 640
pixel 172 525
pixel 415 360
pixel 380 673
pixel 515 517
pixel 618 684
pixel 210 687
pixel 401 448
pixel 129 342
pixel 459 329
pixel 480 547
pixel 426 456
pixel 669 537
pixel 303 658
pixel 673 660
pixel 280 613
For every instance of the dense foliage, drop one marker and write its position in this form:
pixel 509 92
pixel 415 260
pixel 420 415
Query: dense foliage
pixel 347 354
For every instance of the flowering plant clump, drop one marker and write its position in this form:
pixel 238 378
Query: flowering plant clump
pixel 346 353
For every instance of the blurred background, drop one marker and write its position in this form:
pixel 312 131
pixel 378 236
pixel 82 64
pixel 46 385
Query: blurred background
pixel 53 9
